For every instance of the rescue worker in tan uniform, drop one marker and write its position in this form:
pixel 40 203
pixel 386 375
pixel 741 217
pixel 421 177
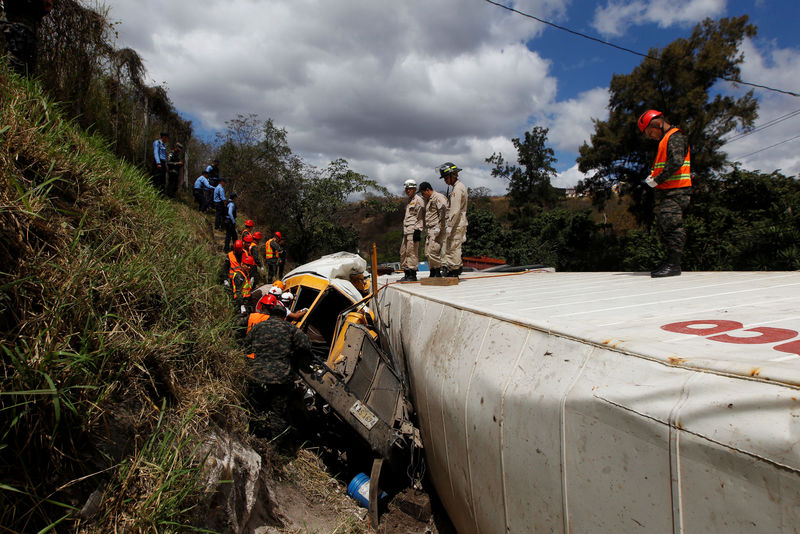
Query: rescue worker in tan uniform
pixel 412 232
pixel 435 226
pixel 456 219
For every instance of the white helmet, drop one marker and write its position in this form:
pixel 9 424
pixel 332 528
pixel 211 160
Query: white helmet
pixel 275 290
pixel 287 296
pixel 410 183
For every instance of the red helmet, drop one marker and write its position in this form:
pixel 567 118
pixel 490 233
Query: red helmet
pixel 249 223
pixel 647 116
pixel 249 260
pixel 266 300
pixel 278 235
pixel 238 245
pixel 257 235
pixel 248 238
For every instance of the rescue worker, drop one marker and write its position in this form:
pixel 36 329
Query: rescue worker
pixel 19 22
pixel 219 204
pixel 248 228
pixel 435 227
pixel 174 168
pixel 213 173
pixel 261 314
pixel 202 191
pixel 272 252
pixel 240 285
pixel 671 177
pixel 286 299
pixel 230 222
pixel 412 232
pixel 456 219
pixel 160 161
pixel 275 349
pixel 233 259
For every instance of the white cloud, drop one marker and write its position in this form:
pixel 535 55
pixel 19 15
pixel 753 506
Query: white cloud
pixel 568 178
pixel 614 18
pixel 779 68
pixel 571 122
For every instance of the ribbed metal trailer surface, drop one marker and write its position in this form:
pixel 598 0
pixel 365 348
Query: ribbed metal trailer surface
pixel 607 402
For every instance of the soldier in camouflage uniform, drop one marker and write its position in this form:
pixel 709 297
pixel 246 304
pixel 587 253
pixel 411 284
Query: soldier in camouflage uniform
pixel 274 348
pixel 19 21
pixel 672 180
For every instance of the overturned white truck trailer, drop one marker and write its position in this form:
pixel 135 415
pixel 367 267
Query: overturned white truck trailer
pixel 607 402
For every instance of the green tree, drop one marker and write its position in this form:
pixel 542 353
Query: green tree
pixel 528 182
pixel 676 81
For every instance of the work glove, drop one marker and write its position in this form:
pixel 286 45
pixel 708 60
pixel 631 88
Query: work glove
pixel 227 283
pixel 242 309
pixel 449 230
pixel 417 236
pixel 650 181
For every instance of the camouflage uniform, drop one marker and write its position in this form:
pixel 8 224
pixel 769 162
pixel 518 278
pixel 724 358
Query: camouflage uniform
pixel 20 27
pixel 274 347
pixel 671 204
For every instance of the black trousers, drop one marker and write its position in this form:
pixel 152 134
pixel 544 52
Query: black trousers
pixel 230 235
pixel 219 220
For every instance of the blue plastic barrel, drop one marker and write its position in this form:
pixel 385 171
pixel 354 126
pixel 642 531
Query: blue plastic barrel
pixel 359 490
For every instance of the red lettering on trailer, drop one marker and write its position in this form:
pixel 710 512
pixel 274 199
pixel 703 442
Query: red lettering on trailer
pixel 793 347
pixel 702 328
pixel 767 335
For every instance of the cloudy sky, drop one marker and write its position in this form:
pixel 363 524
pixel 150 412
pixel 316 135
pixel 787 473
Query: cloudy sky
pixel 397 88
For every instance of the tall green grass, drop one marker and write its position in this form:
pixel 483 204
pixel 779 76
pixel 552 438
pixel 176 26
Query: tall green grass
pixel 116 351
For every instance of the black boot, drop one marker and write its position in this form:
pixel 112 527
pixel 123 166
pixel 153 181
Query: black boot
pixel 411 276
pixel 453 273
pixel 436 272
pixel 671 268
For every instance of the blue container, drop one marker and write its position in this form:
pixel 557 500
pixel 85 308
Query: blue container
pixel 358 489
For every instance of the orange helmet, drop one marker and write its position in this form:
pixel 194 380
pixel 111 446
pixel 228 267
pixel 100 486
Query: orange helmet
pixel 267 300
pixel 248 238
pixel 249 223
pixel 257 235
pixel 279 284
pixel 278 235
pixel 646 117
pixel 238 245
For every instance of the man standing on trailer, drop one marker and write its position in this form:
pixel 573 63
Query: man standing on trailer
pixel 435 226
pixel 456 219
pixel 412 232
pixel 672 179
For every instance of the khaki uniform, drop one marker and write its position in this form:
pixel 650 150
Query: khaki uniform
pixel 413 220
pixel 436 228
pixel 457 226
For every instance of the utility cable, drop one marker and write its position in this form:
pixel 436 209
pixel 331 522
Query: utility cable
pixel 764 126
pixel 622 48
pixel 766 148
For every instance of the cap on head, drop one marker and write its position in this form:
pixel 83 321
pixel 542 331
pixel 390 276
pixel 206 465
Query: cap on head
pixel 410 183
pixel 447 168
pixel 249 223
pixel 222 180
pixel 257 235
pixel 646 117
pixel 238 245
pixel 278 235
pixel 267 301
pixel 164 134
pixel 233 195
pixel 425 186
pixel 214 161
pixel 205 171
pixel 248 238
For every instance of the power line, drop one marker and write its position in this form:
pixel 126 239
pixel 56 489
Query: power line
pixel 766 148
pixel 764 126
pixel 618 47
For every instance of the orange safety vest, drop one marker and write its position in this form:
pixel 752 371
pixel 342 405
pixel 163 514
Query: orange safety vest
pixel 255 318
pixel 245 287
pixel 246 232
pixel 269 253
pixel 683 176
pixel 250 250
pixel 234 264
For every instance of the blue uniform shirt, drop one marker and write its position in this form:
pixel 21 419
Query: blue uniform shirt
pixel 160 152
pixel 219 194
pixel 232 212
pixel 202 183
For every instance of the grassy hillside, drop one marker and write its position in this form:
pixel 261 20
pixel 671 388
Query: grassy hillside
pixel 116 345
